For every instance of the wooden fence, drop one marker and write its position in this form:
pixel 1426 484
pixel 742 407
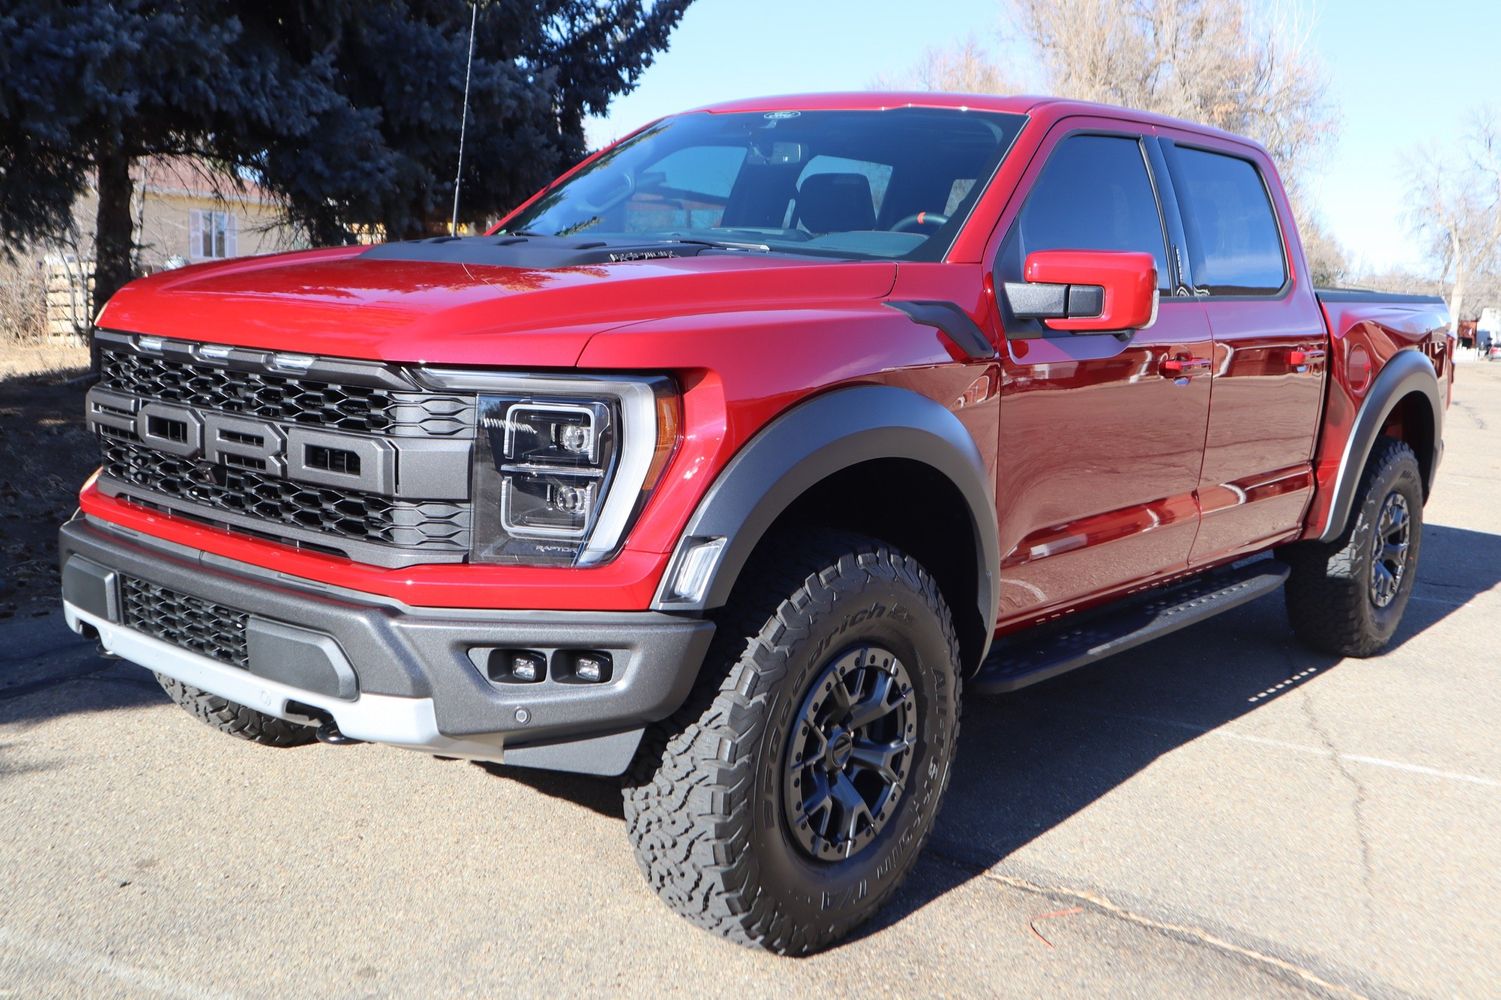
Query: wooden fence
pixel 70 294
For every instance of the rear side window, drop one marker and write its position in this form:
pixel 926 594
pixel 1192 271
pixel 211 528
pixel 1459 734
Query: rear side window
pixel 1234 245
pixel 1093 194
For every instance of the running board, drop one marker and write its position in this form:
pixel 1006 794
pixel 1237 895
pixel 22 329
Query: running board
pixel 1055 650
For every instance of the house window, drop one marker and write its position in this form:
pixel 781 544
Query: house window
pixel 211 235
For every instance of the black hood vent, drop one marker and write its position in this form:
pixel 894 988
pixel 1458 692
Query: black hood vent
pixel 533 252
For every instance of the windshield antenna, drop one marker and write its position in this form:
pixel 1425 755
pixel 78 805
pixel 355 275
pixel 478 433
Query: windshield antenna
pixel 453 225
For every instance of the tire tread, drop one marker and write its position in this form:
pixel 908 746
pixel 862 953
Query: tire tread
pixel 1326 593
pixel 696 768
pixel 235 719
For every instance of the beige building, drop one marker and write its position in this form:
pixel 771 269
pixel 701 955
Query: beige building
pixel 184 214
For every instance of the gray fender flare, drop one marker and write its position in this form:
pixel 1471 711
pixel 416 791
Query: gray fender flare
pixel 811 442
pixel 1407 372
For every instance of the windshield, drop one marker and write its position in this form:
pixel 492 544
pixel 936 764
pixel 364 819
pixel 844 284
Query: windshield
pixel 862 184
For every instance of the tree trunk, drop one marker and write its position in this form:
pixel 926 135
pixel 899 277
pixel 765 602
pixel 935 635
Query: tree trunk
pixel 1457 294
pixel 114 230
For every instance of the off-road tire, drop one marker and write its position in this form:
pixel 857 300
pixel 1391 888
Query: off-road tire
pixel 704 799
pixel 1329 592
pixel 235 719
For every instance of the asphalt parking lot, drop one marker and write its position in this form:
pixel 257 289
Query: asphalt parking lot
pixel 1220 813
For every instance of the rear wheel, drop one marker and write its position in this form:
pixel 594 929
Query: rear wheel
pixel 787 800
pixel 1347 596
pixel 235 719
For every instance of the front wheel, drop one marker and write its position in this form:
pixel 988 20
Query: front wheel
pixel 1347 596
pixel 788 799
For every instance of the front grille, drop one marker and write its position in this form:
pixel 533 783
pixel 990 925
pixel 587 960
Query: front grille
pixel 438 525
pixel 358 458
pixel 185 621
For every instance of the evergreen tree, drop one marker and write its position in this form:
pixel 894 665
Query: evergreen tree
pixel 349 111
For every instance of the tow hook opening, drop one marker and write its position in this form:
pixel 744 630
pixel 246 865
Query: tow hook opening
pixel 329 733
pixel 328 729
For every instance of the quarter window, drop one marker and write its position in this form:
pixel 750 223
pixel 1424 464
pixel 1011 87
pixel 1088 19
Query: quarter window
pixel 1234 245
pixel 1093 194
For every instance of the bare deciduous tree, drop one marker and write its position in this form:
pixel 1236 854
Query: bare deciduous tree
pixel 966 68
pixel 1455 208
pixel 1220 62
pixel 1243 67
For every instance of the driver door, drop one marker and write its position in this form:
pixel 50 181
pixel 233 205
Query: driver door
pixel 1102 434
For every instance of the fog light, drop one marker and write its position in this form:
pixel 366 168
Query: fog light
pixel 517 666
pixel 591 668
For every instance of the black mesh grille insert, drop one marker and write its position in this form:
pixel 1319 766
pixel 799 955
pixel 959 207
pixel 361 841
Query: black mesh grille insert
pixel 255 394
pixel 186 621
pixel 288 398
pixel 346 513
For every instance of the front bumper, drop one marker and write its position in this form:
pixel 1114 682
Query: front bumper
pixel 381 671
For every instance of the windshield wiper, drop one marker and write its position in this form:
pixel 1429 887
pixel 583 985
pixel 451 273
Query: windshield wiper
pixel 720 244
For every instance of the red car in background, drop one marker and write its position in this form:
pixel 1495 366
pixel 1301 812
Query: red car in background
pixel 728 458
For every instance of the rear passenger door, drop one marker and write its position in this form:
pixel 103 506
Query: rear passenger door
pixel 1102 434
pixel 1269 348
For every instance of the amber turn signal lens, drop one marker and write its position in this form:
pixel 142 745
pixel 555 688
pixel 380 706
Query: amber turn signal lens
pixel 669 420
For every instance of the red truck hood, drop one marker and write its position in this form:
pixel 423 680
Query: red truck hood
pixel 340 303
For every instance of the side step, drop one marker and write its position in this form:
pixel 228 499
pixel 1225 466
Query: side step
pixel 1048 651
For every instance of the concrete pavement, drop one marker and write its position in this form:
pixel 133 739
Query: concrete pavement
pixel 1220 813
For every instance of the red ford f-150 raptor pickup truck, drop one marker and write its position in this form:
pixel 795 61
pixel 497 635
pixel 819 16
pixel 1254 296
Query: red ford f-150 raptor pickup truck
pixel 723 461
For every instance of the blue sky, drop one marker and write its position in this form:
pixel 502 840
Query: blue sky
pixel 1404 79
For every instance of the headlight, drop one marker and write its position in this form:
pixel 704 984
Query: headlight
pixel 562 466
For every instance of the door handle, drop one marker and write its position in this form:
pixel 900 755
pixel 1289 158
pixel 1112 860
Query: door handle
pixel 1184 365
pixel 1303 357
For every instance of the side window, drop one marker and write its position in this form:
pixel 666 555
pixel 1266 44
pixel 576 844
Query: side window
pixel 1234 245
pixel 1093 194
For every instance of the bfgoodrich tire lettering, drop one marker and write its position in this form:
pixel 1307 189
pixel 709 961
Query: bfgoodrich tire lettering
pixel 705 803
pixel 235 719
pixel 1334 595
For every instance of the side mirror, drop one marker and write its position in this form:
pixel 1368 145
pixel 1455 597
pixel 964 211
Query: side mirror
pixel 1086 291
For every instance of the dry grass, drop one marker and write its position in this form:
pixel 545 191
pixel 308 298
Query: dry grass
pixel 23 299
pixel 62 356
pixel 25 346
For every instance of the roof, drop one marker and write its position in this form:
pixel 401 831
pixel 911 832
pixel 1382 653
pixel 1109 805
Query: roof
pixel 187 177
pixel 1022 104
pixel 880 100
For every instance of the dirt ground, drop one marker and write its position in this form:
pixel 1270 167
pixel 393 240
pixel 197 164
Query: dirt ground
pixel 45 455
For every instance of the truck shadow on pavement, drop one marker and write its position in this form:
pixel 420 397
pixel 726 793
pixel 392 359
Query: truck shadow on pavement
pixel 1030 761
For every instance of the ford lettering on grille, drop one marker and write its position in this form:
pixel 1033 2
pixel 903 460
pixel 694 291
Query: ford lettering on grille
pixel 301 453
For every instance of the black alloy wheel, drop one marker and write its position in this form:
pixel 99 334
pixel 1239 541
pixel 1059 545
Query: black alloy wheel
pixel 1392 544
pixel 850 753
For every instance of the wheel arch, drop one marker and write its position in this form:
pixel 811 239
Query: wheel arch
pixel 822 462
pixel 1404 402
